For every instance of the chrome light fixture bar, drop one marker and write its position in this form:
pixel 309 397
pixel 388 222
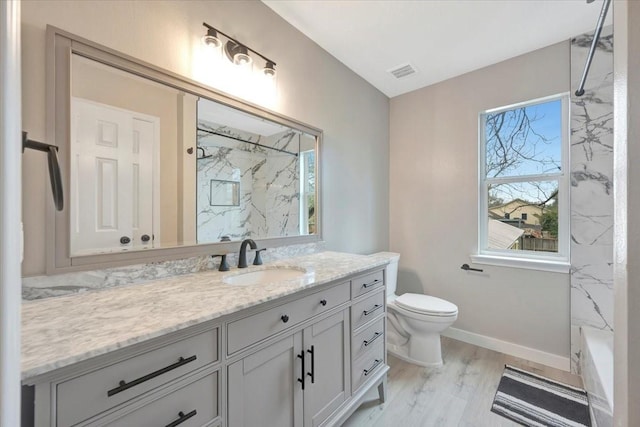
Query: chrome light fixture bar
pixel 236 52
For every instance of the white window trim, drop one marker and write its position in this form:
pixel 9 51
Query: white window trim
pixel 544 261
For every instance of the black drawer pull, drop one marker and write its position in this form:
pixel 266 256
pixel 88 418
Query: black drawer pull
pixel 368 285
pixel 301 356
pixel 323 302
pixel 312 374
pixel 125 385
pixel 374 366
pixel 284 318
pixel 183 417
pixel 375 307
pixel 372 339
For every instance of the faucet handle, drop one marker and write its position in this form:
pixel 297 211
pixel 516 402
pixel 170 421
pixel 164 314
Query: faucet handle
pixel 258 260
pixel 223 262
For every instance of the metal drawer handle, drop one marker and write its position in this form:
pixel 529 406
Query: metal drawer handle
pixel 301 356
pixel 125 385
pixel 284 318
pixel 323 302
pixel 375 307
pixel 312 374
pixel 372 339
pixel 183 417
pixel 374 366
pixel 368 285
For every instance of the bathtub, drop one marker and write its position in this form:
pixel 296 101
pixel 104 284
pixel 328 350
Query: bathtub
pixel 597 374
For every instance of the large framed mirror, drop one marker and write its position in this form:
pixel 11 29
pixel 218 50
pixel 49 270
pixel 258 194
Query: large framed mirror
pixel 156 166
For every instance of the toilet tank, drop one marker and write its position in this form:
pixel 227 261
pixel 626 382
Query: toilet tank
pixel 391 270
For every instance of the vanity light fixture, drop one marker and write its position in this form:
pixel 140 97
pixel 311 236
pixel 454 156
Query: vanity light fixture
pixel 269 70
pixel 211 39
pixel 236 52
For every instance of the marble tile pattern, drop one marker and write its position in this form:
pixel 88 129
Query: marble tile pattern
pixel 58 332
pixel 39 287
pixel 591 190
pixel 269 184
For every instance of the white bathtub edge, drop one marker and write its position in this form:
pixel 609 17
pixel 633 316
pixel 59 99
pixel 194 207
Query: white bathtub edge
pixel 597 373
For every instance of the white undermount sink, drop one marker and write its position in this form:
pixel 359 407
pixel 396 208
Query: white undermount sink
pixel 271 275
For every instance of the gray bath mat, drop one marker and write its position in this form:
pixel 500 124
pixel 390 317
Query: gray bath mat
pixel 532 400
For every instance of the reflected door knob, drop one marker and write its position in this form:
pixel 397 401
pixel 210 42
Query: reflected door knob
pixel 125 240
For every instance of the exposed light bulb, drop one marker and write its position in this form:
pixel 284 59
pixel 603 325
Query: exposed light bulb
pixel 242 59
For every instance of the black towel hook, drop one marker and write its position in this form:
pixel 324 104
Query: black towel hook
pixel 54 167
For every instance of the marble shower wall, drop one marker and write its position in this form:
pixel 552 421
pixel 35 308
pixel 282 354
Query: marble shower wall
pixel 591 191
pixel 268 179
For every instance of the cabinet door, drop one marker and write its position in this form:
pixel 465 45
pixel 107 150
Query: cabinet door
pixel 326 345
pixel 264 387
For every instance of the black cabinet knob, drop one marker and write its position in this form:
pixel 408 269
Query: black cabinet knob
pixel 284 318
pixel 323 302
pixel 125 240
pixel 145 238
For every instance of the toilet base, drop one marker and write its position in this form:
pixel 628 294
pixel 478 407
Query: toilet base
pixel 402 353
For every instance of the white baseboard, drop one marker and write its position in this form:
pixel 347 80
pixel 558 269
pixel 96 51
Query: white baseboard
pixel 516 350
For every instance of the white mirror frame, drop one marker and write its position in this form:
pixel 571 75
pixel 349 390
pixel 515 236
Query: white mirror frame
pixel 60 46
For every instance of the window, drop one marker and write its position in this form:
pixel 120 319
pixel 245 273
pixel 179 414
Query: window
pixel 524 175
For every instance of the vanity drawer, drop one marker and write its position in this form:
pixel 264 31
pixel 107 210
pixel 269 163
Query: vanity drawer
pixel 249 330
pixel 366 310
pixel 363 284
pixel 196 405
pixel 88 395
pixel 370 363
pixel 364 340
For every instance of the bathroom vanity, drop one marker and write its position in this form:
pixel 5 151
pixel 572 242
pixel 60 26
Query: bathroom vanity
pixel 195 350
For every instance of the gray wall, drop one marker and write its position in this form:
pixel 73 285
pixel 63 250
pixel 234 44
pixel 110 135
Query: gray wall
pixel 313 87
pixel 434 203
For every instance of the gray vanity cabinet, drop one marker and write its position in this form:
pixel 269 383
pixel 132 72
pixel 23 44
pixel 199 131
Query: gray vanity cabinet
pixel 326 344
pixel 299 380
pixel 307 360
pixel 263 387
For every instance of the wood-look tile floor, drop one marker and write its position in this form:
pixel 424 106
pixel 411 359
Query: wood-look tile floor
pixel 460 393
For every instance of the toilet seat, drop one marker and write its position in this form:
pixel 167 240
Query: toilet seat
pixel 426 305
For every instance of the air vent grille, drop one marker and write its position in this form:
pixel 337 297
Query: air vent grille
pixel 403 70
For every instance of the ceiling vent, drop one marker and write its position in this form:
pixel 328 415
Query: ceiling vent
pixel 403 70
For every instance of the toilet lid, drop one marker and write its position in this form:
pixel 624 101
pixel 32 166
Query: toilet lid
pixel 426 304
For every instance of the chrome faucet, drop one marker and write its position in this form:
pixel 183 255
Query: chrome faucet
pixel 242 259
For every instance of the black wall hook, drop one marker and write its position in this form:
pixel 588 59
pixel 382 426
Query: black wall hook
pixel 54 167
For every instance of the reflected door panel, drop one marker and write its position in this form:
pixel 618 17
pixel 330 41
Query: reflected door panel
pixel 112 174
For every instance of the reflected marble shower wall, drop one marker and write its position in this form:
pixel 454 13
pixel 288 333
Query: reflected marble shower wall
pixel 268 185
pixel 591 191
pixel 282 178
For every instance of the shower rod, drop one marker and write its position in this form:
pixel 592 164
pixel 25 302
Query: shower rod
pixel 248 142
pixel 594 43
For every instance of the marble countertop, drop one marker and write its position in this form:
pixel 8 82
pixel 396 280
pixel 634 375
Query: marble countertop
pixel 58 332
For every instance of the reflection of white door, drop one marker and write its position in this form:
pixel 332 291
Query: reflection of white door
pixel 112 185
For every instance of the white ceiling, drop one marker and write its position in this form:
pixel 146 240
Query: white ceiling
pixel 441 38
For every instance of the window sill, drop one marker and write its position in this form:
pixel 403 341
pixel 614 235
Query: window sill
pixel 526 263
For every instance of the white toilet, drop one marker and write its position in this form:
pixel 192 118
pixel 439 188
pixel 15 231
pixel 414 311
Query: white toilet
pixel 414 321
